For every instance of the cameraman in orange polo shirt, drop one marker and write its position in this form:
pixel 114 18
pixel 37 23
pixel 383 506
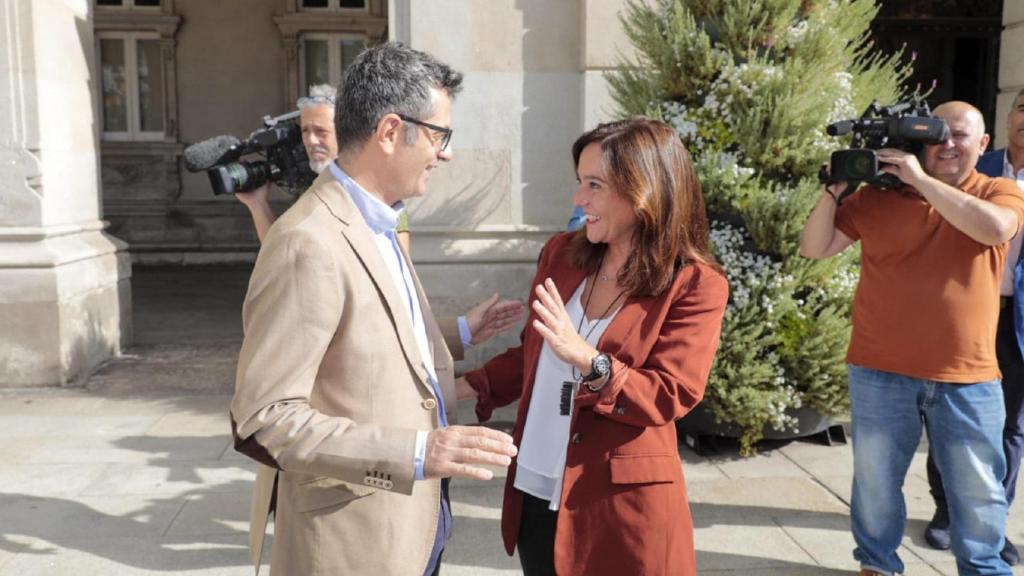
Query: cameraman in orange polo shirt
pixel 922 351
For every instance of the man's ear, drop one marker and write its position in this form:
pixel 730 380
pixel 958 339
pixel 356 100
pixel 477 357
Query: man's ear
pixel 388 133
pixel 984 142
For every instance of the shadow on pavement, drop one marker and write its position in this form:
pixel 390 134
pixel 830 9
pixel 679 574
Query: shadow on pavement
pixel 187 336
pixel 142 537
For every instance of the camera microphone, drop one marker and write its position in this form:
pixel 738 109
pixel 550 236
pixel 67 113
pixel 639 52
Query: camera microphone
pixel 839 128
pixel 282 158
pixel 210 152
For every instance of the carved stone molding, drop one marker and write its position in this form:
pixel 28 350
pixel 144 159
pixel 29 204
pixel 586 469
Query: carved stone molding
pixel 143 148
pixel 133 21
pixel 21 175
pixel 373 7
pixel 371 23
pixel 293 24
pixel 140 172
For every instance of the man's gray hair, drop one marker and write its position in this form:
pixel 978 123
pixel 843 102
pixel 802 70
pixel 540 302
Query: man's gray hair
pixel 319 95
pixel 389 78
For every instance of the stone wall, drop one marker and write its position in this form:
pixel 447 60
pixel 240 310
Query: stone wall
pixel 533 82
pixel 65 298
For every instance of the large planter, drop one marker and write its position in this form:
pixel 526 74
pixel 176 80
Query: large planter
pixel 700 430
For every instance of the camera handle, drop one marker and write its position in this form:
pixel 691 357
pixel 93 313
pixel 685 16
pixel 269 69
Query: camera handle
pixel 825 178
pixel 851 187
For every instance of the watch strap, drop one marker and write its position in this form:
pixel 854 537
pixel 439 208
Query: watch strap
pixel 595 374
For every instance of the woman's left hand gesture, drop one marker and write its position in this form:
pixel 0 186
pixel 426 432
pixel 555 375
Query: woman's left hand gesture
pixel 554 325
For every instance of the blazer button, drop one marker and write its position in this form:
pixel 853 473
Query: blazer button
pixel 388 484
pixel 620 410
pixel 576 438
pixel 429 404
pixel 368 481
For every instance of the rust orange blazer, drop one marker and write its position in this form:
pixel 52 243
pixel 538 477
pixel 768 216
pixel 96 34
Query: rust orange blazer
pixel 623 507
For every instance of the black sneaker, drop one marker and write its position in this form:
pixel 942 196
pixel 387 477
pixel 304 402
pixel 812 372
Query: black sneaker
pixel 1009 553
pixel 937 532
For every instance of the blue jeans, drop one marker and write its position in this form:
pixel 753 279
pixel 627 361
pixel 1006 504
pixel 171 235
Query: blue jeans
pixel 965 428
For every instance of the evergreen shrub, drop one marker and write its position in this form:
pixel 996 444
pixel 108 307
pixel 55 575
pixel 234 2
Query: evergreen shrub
pixel 750 86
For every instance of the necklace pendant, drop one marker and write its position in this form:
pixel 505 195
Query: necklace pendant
pixel 565 398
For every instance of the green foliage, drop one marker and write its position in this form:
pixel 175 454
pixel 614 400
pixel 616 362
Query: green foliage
pixel 750 85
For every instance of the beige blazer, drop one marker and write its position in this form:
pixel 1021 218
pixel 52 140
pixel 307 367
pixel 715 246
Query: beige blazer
pixel 330 390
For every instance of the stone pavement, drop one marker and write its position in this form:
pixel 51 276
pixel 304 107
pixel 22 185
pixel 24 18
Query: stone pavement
pixel 134 474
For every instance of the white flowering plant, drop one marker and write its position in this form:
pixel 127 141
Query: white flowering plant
pixel 750 87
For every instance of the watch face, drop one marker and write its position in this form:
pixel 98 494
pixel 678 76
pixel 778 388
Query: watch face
pixel 602 364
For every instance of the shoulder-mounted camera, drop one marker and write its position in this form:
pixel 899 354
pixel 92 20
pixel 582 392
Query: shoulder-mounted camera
pixel 279 142
pixel 906 126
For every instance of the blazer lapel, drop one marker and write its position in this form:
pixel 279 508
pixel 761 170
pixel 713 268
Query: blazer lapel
pixel 630 317
pixel 360 238
pixel 439 354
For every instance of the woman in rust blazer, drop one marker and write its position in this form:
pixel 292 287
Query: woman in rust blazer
pixel 597 488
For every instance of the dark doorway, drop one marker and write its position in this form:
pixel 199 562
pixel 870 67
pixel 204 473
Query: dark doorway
pixel 957 47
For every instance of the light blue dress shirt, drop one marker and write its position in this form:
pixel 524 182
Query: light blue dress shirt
pixel 382 220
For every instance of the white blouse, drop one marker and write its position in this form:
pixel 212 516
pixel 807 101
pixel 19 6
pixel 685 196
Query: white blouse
pixel 541 461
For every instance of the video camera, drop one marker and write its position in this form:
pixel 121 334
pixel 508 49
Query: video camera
pixel 907 126
pixel 280 143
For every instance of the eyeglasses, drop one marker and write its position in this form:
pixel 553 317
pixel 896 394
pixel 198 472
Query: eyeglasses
pixel 314 101
pixel 446 133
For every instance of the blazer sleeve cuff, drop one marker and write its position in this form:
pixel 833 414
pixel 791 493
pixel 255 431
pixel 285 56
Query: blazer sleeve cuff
pixel 484 404
pixel 449 327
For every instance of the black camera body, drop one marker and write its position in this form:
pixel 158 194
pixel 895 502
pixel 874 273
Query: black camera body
pixel 907 126
pixel 285 161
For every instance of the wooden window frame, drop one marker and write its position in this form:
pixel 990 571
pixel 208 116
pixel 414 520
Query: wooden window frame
pixel 296 24
pixel 333 40
pixel 142 22
pixel 131 63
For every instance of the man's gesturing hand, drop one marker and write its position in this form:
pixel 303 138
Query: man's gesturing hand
pixel 462 450
pixel 493 316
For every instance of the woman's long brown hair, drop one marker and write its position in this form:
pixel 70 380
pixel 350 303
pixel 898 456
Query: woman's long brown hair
pixel 645 161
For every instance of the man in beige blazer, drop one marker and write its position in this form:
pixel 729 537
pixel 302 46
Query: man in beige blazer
pixel 344 383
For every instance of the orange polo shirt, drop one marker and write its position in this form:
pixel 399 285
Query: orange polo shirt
pixel 927 303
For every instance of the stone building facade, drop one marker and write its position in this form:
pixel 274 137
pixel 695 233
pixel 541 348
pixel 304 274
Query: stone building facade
pixel 100 98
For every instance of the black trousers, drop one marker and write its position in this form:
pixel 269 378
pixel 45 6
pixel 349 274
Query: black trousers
pixel 537 537
pixel 1012 367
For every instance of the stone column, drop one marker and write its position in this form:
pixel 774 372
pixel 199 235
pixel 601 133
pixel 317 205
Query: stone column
pixel 65 297
pixel 1011 65
pixel 604 43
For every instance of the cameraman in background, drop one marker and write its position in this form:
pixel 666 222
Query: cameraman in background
pixel 1008 163
pixel 316 120
pixel 922 348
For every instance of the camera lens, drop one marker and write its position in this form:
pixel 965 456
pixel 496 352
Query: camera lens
pixel 854 165
pixel 238 177
pixel 862 166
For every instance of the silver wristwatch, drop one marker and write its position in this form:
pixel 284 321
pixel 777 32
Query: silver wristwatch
pixel 600 372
